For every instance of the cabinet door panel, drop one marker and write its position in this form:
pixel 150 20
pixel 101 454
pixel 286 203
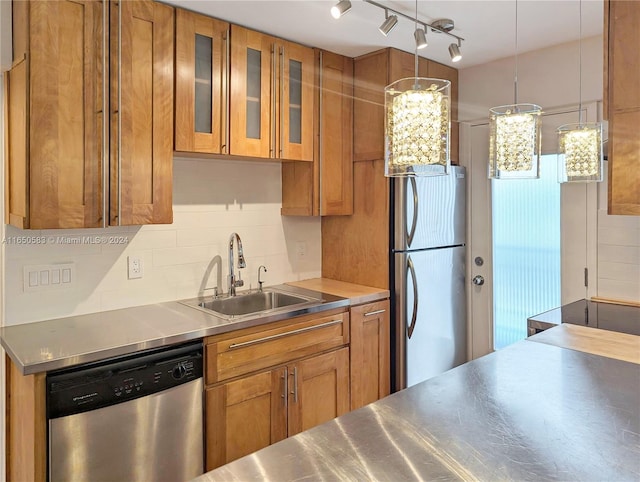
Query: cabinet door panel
pixel 142 173
pixel 296 79
pixel 65 142
pixel 319 390
pixel 244 416
pixel 336 135
pixel 252 93
pixel 200 78
pixel 370 347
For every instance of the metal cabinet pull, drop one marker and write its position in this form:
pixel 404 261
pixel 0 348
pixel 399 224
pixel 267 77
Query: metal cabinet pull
pixel 119 196
pixel 226 72
pixel 272 139
pixel 281 101
pixel 320 131
pixel 285 376
pixel 282 335
pixel 372 313
pixel 294 392
pixel 106 118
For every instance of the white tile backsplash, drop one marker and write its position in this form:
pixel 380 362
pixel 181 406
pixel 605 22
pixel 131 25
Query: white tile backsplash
pixel 212 198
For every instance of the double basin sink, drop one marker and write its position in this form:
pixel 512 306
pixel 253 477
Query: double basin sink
pixel 254 303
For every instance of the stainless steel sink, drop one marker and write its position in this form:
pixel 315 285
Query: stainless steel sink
pixel 245 304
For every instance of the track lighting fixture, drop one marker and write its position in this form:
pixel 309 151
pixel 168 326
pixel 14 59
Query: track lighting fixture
pixel 443 25
pixel 454 52
pixel 388 24
pixel 421 38
pixel 340 8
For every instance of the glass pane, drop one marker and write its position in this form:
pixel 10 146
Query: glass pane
pixel 203 107
pixel 526 251
pixel 295 101
pixel 254 59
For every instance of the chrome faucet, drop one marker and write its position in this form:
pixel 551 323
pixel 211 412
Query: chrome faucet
pixel 234 283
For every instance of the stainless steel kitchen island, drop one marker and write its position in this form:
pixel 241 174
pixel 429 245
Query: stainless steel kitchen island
pixel 528 412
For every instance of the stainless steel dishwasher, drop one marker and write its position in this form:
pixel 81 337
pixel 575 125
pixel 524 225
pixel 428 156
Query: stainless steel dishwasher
pixel 132 418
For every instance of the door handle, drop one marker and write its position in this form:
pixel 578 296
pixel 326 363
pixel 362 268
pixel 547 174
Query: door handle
pixel 414 221
pixel 414 316
pixel 478 280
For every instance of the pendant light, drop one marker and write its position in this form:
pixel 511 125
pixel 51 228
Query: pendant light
pixel 417 125
pixel 580 145
pixel 514 142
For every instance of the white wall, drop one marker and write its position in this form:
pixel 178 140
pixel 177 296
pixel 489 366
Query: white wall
pixel 212 198
pixel 618 253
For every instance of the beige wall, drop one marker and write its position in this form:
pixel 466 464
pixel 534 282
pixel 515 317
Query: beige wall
pixel 212 198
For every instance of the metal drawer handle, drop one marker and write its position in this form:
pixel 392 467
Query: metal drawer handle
pixel 377 312
pixel 282 335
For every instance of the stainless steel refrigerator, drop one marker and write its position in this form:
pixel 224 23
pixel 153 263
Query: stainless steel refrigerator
pixel 428 276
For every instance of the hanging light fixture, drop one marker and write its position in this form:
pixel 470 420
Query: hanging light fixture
pixel 514 142
pixel 417 125
pixel 580 145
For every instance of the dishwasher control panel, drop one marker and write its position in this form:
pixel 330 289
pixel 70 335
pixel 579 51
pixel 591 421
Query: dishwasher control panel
pixel 118 380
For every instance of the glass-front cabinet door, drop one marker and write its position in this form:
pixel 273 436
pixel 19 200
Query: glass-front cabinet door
pixel 202 52
pixel 296 102
pixel 253 93
pixel 272 97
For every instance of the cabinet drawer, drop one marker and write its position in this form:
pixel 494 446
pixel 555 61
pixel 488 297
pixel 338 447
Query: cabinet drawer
pixel 245 351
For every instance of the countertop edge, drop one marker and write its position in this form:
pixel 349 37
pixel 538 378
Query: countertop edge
pixel 217 326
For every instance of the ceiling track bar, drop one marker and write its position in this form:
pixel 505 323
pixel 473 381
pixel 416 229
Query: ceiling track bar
pixel 425 24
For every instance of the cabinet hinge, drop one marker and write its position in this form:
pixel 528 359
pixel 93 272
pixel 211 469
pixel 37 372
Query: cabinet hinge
pixel 586 277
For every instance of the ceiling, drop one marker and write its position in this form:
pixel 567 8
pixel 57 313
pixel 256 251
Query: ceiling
pixel 488 26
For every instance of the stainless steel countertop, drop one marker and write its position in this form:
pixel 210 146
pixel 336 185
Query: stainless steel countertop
pixel 527 412
pixel 63 342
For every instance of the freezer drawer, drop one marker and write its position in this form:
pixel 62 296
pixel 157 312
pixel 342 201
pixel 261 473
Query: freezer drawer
pixel 431 326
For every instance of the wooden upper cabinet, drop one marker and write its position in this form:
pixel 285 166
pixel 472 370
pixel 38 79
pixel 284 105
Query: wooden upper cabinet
pixel 271 98
pixel 201 83
pixel 325 187
pixel 55 121
pixel 253 92
pixel 142 113
pixel 296 102
pixel 67 151
pixel 623 90
pixel 372 73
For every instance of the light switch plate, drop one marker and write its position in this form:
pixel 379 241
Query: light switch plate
pixel 44 277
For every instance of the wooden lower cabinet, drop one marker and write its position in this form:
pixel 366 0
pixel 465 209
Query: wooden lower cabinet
pixel 370 352
pixel 252 412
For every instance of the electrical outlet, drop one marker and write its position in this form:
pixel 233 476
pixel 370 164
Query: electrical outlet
pixel 301 250
pixel 134 266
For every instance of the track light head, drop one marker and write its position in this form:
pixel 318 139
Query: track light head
pixel 454 52
pixel 388 24
pixel 340 8
pixel 421 38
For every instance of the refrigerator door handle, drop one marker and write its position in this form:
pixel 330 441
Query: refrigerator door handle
pixel 414 222
pixel 414 316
